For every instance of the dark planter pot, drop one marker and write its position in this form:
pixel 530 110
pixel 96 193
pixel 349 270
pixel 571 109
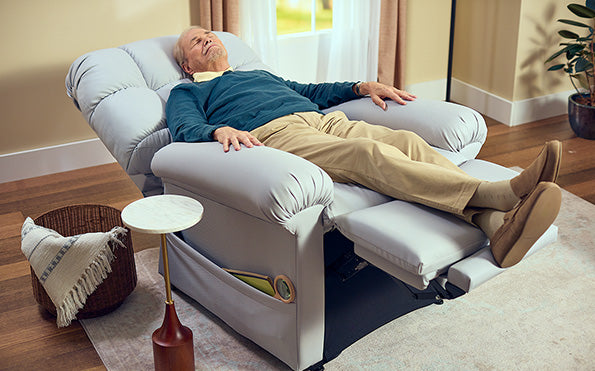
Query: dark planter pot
pixel 582 118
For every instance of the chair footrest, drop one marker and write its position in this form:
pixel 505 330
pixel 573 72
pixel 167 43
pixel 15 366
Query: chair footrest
pixel 416 244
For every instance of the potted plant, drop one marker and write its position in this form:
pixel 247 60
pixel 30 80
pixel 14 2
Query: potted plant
pixel 580 60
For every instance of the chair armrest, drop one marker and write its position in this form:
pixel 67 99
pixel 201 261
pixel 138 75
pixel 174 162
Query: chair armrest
pixel 444 125
pixel 264 182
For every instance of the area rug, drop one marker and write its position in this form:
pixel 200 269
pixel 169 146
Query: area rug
pixel 536 316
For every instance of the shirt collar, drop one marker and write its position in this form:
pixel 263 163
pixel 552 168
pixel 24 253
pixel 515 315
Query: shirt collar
pixel 208 75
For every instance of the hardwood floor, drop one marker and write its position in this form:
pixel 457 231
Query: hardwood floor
pixel 29 339
pixel 518 146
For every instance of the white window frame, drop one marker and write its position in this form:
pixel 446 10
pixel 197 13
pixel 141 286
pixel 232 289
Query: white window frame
pixel 311 56
pixel 303 56
pixel 312 31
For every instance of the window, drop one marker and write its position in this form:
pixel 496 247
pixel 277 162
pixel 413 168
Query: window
pixel 296 16
pixel 297 38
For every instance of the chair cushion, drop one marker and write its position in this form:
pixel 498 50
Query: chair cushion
pixel 444 125
pixel 348 198
pixel 413 238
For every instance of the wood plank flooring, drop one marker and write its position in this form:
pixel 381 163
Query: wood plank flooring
pixel 29 339
pixel 518 146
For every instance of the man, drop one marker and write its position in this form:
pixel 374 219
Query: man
pixel 254 108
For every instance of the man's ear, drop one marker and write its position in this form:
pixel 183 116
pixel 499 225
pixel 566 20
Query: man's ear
pixel 186 68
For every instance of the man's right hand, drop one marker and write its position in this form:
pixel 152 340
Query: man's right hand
pixel 227 136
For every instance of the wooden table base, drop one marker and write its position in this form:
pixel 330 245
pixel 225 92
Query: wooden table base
pixel 172 343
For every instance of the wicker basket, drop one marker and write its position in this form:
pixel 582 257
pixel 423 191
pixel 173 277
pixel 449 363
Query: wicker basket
pixel 79 219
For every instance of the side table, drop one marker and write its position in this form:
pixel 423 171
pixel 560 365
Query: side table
pixel 172 342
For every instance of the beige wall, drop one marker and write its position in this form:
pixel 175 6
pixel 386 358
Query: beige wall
pixel 40 39
pixel 538 39
pixel 428 27
pixel 486 44
pixel 501 46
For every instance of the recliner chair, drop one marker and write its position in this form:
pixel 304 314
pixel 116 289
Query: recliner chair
pixel 357 258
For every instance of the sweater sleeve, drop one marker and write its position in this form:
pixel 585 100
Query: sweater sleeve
pixel 186 119
pixel 326 94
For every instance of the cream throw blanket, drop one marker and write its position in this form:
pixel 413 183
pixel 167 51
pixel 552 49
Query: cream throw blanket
pixel 69 268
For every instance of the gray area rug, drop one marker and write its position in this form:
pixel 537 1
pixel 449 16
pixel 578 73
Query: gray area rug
pixel 536 316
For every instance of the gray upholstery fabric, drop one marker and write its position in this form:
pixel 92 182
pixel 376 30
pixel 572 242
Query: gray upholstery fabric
pixel 444 125
pixel 264 182
pixel 413 237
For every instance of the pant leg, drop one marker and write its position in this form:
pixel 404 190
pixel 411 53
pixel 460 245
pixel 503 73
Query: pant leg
pixel 372 163
pixel 411 144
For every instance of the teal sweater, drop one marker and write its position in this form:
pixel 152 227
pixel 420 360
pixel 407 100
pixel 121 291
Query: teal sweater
pixel 244 100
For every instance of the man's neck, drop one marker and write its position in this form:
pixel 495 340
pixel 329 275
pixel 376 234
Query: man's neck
pixel 218 66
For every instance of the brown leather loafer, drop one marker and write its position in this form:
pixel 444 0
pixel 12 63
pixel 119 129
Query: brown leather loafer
pixel 524 224
pixel 543 169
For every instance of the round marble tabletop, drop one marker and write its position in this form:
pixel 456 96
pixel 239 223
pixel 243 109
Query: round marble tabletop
pixel 162 214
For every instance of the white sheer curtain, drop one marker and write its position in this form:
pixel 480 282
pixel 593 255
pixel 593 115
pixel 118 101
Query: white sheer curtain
pixel 258 28
pixel 353 51
pixel 353 54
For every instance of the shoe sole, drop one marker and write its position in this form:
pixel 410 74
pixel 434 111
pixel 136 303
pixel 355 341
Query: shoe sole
pixel 540 218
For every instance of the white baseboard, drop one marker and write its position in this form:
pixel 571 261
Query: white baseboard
pixel 507 112
pixel 54 159
pixel 539 108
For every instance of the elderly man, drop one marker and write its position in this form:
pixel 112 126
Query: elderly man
pixel 254 108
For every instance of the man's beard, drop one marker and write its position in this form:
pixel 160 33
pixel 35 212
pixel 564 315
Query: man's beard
pixel 216 53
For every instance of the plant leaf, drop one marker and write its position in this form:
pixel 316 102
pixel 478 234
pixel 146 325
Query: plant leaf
pixel 556 67
pixel 582 64
pixel 573 50
pixel 581 11
pixel 568 34
pixel 556 54
pixel 574 23
pixel 576 48
pixel 590 4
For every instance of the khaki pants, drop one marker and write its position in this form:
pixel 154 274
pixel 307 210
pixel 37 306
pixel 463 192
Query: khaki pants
pixel 397 163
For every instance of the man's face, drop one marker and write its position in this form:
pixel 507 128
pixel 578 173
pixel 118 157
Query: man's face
pixel 203 51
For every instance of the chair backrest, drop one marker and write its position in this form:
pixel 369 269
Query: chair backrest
pixel 122 91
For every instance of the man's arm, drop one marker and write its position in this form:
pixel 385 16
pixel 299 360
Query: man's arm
pixel 186 120
pixel 330 94
pixel 324 94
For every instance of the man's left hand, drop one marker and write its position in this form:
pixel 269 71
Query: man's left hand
pixel 379 92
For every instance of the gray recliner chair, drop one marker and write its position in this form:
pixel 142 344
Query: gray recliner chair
pixel 357 258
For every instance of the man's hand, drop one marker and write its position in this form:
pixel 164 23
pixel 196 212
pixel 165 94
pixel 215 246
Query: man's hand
pixel 378 92
pixel 229 136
